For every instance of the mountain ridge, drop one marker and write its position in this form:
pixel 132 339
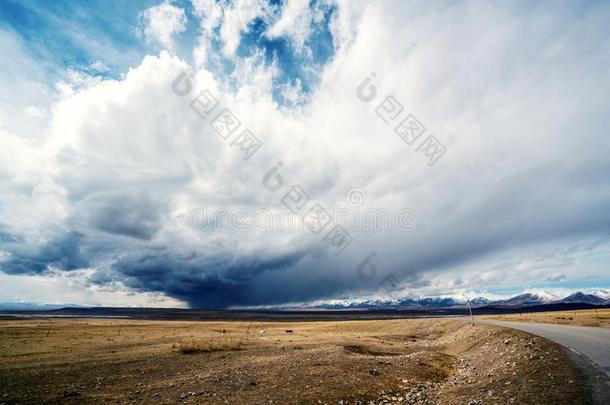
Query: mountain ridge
pixel 525 299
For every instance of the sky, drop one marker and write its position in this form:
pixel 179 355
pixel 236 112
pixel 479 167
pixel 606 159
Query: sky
pixel 220 154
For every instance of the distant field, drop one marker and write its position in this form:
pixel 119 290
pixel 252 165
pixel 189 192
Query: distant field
pixel 400 361
pixel 585 317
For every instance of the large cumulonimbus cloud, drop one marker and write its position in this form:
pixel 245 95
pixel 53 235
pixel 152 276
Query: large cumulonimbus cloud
pixel 116 180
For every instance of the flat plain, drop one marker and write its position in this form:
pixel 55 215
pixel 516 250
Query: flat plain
pixel 433 361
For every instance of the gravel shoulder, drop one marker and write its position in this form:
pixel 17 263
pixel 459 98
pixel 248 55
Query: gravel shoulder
pixel 588 347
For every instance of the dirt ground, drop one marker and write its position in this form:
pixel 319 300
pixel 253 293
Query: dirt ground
pixel 431 361
pixel 586 317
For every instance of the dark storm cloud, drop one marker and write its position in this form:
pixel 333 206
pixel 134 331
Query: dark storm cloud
pixel 133 213
pixel 8 238
pixel 201 281
pixel 62 253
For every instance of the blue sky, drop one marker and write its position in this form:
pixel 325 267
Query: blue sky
pixel 106 173
pixel 63 34
pixel 68 34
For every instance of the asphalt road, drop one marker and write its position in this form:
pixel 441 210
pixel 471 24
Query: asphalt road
pixel 589 341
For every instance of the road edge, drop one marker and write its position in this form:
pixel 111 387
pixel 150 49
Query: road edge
pixel 596 381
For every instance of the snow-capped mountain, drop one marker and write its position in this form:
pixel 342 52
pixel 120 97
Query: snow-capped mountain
pixel 593 297
pixel 580 297
pixel 527 298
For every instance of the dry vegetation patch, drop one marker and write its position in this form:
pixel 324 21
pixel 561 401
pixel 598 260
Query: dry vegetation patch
pixel 585 317
pixel 210 345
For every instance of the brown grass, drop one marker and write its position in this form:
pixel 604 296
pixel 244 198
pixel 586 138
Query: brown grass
pixel 585 317
pixel 208 346
pixel 439 361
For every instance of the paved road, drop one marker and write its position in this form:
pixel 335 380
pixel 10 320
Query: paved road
pixel 590 341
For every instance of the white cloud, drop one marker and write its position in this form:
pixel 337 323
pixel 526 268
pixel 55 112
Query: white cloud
pixel 521 110
pixel 293 93
pixel 35 111
pixel 98 66
pixel 294 23
pixel 160 23
pixel 236 19
pixel 210 13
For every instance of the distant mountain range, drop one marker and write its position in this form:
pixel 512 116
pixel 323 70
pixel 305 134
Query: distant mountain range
pixel 524 300
pixel 31 306
pixel 534 300
pixel 529 299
